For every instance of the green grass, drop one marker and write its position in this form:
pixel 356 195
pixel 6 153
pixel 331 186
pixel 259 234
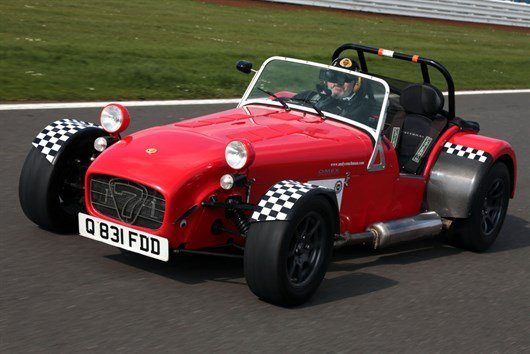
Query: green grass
pixel 162 49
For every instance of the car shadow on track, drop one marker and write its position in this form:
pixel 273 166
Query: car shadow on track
pixel 196 269
pixel 347 286
pixel 189 269
pixel 515 234
pixel 352 260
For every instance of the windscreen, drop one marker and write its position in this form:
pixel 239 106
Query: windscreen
pixel 325 90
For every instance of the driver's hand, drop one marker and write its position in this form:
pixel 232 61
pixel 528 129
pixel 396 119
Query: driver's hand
pixel 323 89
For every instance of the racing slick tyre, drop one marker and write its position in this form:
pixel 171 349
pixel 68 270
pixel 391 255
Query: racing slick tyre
pixel 51 195
pixel 488 210
pixel 285 261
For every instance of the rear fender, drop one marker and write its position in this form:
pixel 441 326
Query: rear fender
pixel 459 169
pixel 282 199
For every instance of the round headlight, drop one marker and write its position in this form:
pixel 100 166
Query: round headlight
pixel 114 118
pixel 100 144
pixel 238 154
pixel 227 182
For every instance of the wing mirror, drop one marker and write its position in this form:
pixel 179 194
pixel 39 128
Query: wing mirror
pixel 244 66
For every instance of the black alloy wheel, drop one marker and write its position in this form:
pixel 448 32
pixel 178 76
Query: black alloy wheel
pixel 305 250
pixel 488 210
pixel 285 261
pixel 70 185
pixel 52 195
pixel 492 206
pixel 69 178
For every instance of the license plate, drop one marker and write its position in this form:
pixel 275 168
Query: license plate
pixel 123 237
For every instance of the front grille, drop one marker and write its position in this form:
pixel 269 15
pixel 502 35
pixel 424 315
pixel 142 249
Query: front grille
pixel 130 202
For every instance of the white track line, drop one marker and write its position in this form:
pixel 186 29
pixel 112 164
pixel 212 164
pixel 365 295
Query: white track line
pixel 15 106
pixel 24 106
pixel 489 92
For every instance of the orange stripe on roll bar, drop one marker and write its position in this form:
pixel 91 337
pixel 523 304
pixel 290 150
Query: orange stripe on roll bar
pixel 380 52
pixel 415 58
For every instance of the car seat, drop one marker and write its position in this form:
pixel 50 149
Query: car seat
pixel 414 131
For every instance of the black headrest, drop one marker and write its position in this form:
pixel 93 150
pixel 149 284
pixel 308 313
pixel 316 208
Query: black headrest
pixel 422 99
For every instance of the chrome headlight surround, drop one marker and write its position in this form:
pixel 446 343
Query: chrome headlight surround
pixel 239 154
pixel 114 118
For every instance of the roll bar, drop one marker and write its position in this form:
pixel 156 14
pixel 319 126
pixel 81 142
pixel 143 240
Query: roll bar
pixel 361 49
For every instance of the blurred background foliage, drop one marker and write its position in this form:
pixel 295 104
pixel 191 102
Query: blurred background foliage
pixel 161 49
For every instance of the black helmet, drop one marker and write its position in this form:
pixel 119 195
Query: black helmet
pixel 337 76
pixel 346 63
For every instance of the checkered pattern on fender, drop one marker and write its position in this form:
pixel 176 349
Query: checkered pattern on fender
pixel 467 152
pixel 279 200
pixel 51 138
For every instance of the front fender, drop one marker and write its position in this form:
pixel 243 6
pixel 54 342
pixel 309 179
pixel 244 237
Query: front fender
pixel 280 201
pixel 55 137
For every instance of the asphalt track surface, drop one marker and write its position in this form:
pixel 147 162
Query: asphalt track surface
pixel 64 293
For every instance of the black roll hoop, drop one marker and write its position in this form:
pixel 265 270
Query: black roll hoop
pixel 424 63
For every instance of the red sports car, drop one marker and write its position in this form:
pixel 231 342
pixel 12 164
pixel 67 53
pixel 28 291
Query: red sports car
pixel 314 157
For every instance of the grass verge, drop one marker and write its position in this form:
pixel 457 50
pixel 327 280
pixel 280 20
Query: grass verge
pixel 159 49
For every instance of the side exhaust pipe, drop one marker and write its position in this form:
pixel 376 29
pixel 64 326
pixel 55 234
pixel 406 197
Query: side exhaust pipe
pixel 407 229
pixel 383 234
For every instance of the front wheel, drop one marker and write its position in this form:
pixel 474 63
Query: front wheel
pixel 285 261
pixel 52 194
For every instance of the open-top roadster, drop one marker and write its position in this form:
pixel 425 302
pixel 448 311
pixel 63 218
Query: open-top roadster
pixel 314 157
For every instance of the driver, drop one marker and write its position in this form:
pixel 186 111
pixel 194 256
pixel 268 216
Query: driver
pixel 342 86
pixel 341 93
pixel 348 95
pixel 335 87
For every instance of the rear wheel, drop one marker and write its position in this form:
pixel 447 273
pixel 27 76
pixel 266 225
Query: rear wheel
pixel 285 261
pixel 479 231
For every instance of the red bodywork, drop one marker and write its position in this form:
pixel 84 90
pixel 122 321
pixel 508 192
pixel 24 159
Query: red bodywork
pixel 288 145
